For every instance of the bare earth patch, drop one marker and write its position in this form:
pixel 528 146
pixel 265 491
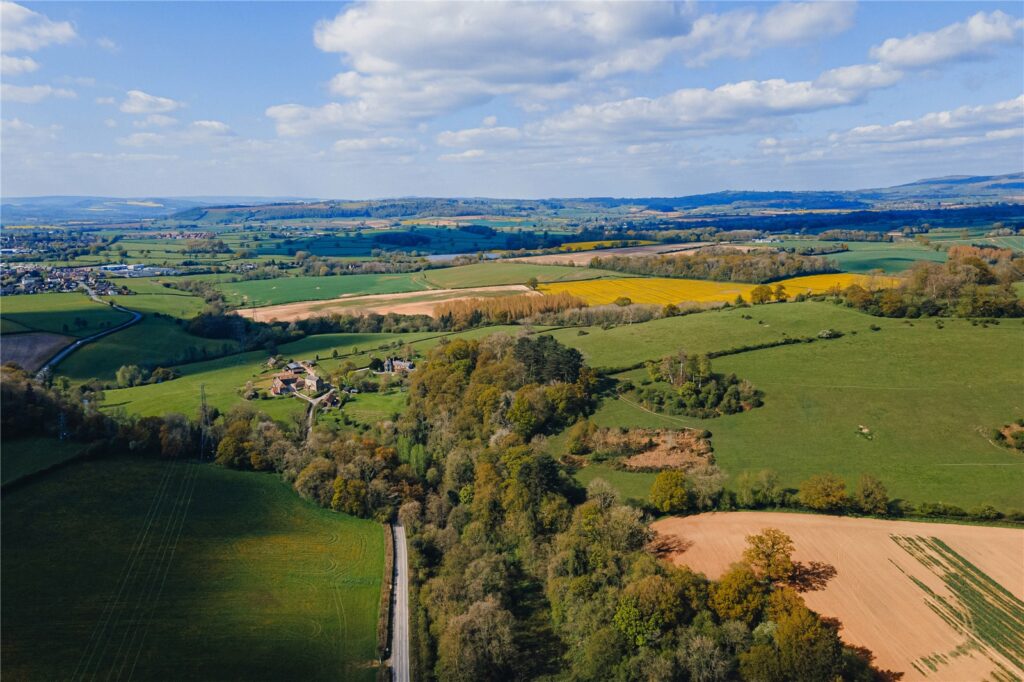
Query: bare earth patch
pixel 31 350
pixel 408 303
pixel 933 601
pixel 656 448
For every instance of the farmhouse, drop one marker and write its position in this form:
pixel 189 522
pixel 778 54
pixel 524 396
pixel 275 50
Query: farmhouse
pixel 397 365
pixel 298 377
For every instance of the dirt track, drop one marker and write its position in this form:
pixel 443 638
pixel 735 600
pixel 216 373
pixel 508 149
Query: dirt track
pixel 408 303
pixel 872 594
pixel 32 349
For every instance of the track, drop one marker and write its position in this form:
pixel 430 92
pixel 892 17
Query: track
pixel 119 636
pixel 59 357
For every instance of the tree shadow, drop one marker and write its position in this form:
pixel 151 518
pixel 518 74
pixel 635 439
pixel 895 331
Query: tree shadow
pixel 664 546
pixel 867 657
pixel 811 576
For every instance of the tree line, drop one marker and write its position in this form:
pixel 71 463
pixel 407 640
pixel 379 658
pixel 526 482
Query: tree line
pixel 721 264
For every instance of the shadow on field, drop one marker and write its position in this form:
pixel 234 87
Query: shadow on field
pixel 811 576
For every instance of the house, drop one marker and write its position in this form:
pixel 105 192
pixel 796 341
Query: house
pixel 396 365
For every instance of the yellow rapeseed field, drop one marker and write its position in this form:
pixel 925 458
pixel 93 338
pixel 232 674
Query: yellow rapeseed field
pixel 664 290
pixel 589 246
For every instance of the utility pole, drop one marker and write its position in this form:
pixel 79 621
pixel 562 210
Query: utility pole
pixel 204 418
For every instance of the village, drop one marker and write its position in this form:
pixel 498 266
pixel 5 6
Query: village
pixel 34 279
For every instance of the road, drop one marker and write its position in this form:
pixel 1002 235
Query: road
pixel 68 350
pixel 400 622
pixel 311 410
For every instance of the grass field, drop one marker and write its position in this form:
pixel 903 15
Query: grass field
pixel 715 330
pixel 152 342
pixel 929 396
pixel 57 313
pixel 495 273
pixel 606 243
pixel 225 377
pixel 633 487
pixel 151 297
pixel 370 408
pixel 664 290
pixel 292 289
pixel 166 570
pixel 863 257
pixel 24 456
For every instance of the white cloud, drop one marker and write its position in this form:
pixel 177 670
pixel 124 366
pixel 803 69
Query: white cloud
pixel 156 121
pixel 975 37
pixel 860 77
pixel 1001 118
pixel 15 130
pixel 107 44
pixel 12 66
pixel 21 29
pixel 477 136
pixel 142 139
pixel 467 155
pixel 410 62
pixel 139 102
pixel 490 121
pixel 106 100
pixel 197 132
pixel 363 144
pixel 30 94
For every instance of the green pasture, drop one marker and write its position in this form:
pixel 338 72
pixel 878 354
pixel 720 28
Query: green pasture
pixel 157 570
pixel 25 456
pixel 714 330
pixel 57 313
pixel 291 289
pixel 863 257
pixel 152 297
pixel 930 398
pixel 152 342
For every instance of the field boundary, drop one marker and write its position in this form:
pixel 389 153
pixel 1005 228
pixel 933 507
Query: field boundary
pixel 384 619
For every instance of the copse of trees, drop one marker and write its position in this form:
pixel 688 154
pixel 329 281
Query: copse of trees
pixel 721 264
pixel 466 314
pixel 694 389
pixel 973 282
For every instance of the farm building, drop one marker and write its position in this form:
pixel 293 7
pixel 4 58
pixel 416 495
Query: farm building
pixel 397 365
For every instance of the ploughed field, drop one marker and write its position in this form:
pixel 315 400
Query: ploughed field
pixel 129 569
pixel 932 601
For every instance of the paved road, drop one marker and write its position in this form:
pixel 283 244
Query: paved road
pixel 400 624
pixel 68 350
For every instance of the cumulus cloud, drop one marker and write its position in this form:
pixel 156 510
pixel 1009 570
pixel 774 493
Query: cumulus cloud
pixel 21 29
pixel 536 53
pixel 107 44
pixel 975 37
pixel 12 66
pixel 197 132
pixel 156 121
pixel 363 144
pixel 467 155
pixel 476 136
pixel 30 94
pixel 139 102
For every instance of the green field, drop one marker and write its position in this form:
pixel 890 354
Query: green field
pixel 627 345
pixel 496 273
pixel 152 342
pixel 24 456
pixel 291 289
pixel 57 313
pixel 930 398
pixel 225 377
pixel 152 297
pixel 863 257
pixel 633 487
pixel 370 408
pixel 166 570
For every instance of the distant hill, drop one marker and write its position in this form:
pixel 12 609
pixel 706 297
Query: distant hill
pixel 927 194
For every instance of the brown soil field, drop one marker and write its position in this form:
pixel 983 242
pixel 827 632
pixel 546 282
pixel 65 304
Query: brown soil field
pixel 32 349
pixel 408 303
pixel 937 636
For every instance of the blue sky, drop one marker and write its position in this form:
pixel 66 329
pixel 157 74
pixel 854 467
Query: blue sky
pixel 504 99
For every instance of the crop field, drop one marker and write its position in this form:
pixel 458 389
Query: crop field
pixel 929 414
pixel 25 456
pixel 665 290
pixel 408 303
pixel 171 570
pixel 71 313
pixel 932 601
pixel 495 273
pixel 864 257
pixel 606 243
pixel 292 289
pixel 29 351
pixel 152 342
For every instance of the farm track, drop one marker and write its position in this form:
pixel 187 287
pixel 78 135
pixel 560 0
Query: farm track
pixel 119 636
pixel 60 356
